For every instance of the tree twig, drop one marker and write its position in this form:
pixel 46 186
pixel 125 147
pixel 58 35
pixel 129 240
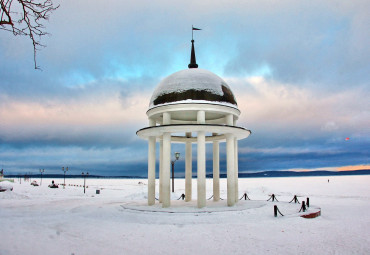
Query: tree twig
pixel 29 16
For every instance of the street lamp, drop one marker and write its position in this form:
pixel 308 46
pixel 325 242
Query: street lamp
pixel 41 171
pixel 177 156
pixel 84 176
pixel 64 170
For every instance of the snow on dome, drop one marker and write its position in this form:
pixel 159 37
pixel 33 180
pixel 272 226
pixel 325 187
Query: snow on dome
pixel 190 85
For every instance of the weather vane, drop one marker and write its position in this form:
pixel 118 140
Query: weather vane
pixel 193 62
pixel 192 31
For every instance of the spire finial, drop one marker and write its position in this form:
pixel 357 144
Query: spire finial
pixel 193 61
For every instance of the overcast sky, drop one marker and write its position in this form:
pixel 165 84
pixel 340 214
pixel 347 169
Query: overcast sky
pixel 300 71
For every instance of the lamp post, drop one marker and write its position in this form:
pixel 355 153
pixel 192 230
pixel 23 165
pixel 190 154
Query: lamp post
pixel 64 170
pixel 177 156
pixel 84 176
pixel 41 171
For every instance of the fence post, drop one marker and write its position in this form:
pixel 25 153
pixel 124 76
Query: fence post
pixel 308 202
pixel 275 210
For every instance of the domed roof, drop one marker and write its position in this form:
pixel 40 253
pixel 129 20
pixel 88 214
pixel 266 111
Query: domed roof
pixel 192 85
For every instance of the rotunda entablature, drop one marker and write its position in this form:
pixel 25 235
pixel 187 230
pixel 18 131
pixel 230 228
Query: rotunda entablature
pixel 186 113
pixel 219 132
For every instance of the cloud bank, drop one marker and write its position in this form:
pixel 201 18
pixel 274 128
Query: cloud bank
pixel 299 71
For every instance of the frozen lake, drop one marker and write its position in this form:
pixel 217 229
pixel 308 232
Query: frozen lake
pixel 40 220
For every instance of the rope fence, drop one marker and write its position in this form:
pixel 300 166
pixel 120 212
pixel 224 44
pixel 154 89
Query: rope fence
pixel 213 196
pixel 182 196
pixel 295 199
pixel 273 197
pixel 245 197
pixel 276 210
pixel 303 208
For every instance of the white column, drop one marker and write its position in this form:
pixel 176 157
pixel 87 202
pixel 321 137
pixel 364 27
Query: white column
pixel 166 118
pixel 230 159
pixel 229 119
pixel 236 170
pixel 216 171
pixel 236 166
pixel 201 181
pixel 188 170
pixel 166 199
pixel 151 170
pixel 201 117
pixel 166 163
pixel 161 170
pixel 201 162
pixel 151 166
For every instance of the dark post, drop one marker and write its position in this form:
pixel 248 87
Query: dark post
pixel 303 206
pixel 275 210
pixel 308 202
pixel 84 176
pixel 41 171
pixel 64 170
pixel 177 156
pixel 173 176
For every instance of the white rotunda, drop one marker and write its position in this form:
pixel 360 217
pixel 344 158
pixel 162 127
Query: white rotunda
pixel 193 106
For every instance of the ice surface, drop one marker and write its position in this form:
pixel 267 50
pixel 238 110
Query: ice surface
pixel 40 220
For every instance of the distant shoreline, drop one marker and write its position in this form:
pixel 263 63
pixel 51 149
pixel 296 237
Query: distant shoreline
pixel 265 174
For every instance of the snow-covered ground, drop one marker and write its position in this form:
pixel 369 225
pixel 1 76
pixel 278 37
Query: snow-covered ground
pixel 40 220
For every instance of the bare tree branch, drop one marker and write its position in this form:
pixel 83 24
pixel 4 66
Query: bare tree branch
pixel 26 17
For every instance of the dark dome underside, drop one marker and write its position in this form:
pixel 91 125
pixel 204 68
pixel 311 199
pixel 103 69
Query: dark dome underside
pixel 193 94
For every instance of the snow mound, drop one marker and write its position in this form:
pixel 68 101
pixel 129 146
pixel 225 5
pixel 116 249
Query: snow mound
pixel 12 195
pixel 6 186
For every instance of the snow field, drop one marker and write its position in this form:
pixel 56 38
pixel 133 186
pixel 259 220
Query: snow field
pixel 40 220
